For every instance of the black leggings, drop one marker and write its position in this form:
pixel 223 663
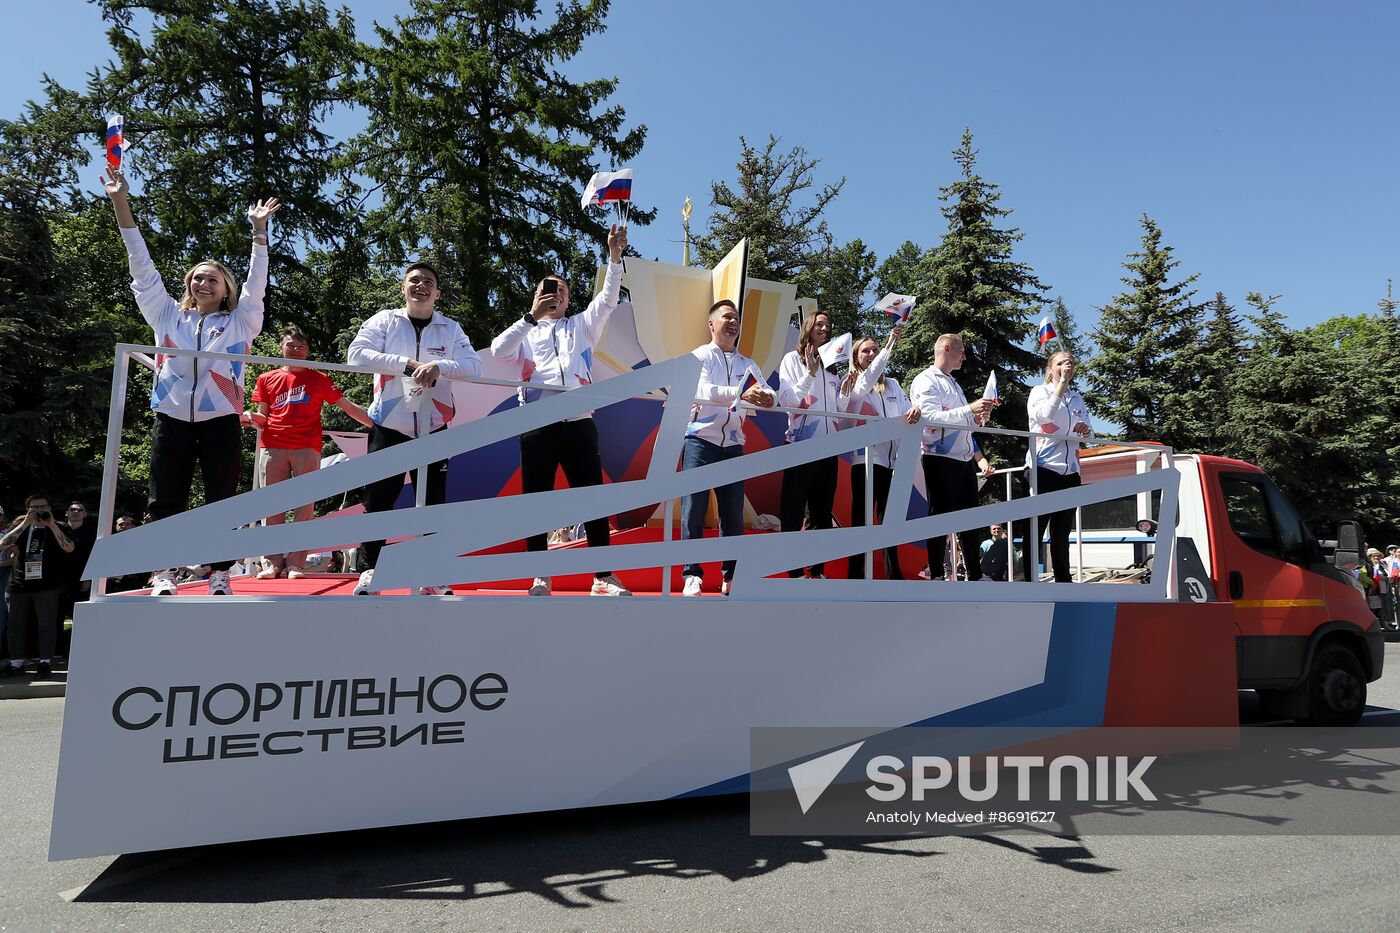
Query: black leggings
pixel 952 486
pixel 216 445
pixel 1060 524
pixel 855 565
pixel 381 494
pixel 808 488
pixel 572 445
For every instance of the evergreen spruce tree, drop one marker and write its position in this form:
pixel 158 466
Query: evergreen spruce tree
pixel 972 284
pixel 479 145
pixel 1142 374
pixel 1218 353
pixel 776 203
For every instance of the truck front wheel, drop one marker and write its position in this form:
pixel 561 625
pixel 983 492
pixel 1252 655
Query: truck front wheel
pixel 1334 690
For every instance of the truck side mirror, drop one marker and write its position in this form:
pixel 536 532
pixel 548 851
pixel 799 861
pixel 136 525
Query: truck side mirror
pixel 1349 546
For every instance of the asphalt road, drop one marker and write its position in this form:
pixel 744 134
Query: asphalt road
pixel 683 866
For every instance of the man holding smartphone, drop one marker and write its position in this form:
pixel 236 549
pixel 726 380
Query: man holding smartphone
pixel 553 349
pixel 35 590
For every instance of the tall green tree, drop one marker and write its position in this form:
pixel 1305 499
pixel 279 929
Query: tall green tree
pixel 841 279
pixel 1312 408
pixel 52 396
pixel 478 145
pixel 1142 372
pixel 777 203
pixel 972 284
pixel 1216 357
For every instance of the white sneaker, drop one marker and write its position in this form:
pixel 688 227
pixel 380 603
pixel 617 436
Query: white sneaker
pixel 692 586
pixel 542 586
pixel 724 588
pixel 218 584
pixel 164 584
pixel 610 586
pixel 434 591
pixel 366 584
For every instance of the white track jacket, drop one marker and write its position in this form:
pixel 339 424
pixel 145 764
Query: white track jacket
pixel 386 343
pixel 189 388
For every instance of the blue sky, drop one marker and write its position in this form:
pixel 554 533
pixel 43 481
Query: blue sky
pixel 1262 136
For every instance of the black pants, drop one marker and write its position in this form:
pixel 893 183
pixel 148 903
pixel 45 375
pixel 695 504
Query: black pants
pixel 855 565
pixel 808 488
pixel 37 607
pixel 381 494
pixel 1060 525
pixel 216 445
pixel 572 445
pixel 952 485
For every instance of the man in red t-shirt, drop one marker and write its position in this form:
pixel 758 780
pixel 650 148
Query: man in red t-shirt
pixel 288 417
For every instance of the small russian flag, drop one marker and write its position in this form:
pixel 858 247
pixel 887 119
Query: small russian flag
pixel 993 391
pixel 896 306
pixel 116 142
pixel 750 380
pixel 1047 331
pixel 604 187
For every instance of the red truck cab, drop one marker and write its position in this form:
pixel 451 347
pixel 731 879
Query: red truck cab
pixel 1306 639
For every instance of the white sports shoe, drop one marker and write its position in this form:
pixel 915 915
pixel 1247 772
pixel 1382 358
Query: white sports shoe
pixel 366 584
pixel 542 586
pixel 434 591
pixel 692 586
pixel 164 584
pixel 724 588
pixel 219 585
pixel 609 586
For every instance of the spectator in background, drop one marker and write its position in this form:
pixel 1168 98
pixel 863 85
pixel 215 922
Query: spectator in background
pixel 35 588
pixel 131 581
pixel 7 560
pixel 288 416
pixel 83 534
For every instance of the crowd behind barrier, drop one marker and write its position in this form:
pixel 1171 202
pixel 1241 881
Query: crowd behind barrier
pixel 202 344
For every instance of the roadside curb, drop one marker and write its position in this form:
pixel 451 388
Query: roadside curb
pixel 42 688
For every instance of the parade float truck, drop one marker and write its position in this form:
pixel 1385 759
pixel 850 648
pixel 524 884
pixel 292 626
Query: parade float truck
pixel 294 707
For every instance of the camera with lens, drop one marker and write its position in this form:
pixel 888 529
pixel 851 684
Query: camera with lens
pixel 43 515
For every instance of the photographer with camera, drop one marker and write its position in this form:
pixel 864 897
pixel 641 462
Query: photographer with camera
pixel 35 590
pixel 553 349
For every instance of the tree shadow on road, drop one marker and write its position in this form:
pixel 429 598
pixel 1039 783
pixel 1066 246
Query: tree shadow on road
pixel 569 858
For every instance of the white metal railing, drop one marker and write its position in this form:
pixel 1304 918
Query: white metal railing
pixel 125 353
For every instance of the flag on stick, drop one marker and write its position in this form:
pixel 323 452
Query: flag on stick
pixel 1047 331
pixel 836 350
pixel 605 187
pixel 750 380
pixel 992 391
pixel 116 142
pixel 898 307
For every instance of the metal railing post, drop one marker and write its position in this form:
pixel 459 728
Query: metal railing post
pixel 111 456
pixel 1033 542
pixel 869 510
